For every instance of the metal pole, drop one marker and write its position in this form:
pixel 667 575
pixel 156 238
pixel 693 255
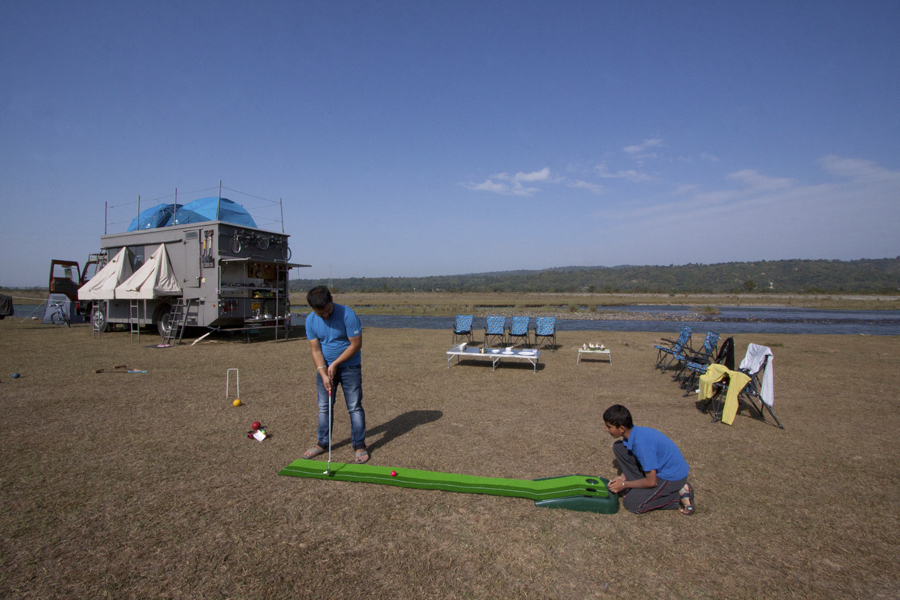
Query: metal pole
pixel 175 208
pixel 281 208
pixel 139 214
pixel 105 216
pixel 219 203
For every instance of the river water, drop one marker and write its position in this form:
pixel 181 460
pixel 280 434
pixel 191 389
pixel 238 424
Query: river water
pixel 730 319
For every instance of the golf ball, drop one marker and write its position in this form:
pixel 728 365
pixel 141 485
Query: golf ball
pixel 393 473
pixel 15 375
pixel 237 402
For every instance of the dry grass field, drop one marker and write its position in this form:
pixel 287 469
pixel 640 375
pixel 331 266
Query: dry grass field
pixel 146 486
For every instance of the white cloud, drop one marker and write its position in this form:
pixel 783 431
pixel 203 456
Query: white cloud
pixel 630 175
pixel 756 182
pixel 595 188
pixel 856 169
pixel 541 175
pixel 709 157
pixel 639 148
pixel 515 186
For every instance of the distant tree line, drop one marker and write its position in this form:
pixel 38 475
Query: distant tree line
pixel 875 276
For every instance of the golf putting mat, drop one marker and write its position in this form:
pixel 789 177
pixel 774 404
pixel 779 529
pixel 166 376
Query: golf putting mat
pixel 572 492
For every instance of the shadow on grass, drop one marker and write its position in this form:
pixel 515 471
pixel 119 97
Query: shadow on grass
pixel 401 425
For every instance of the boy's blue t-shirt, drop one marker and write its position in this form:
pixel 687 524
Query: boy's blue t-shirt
pixel 334 333
pixel 655 451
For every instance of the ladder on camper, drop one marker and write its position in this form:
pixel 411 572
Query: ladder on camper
pixel 177 320
pixel 97 319
pixel 134 319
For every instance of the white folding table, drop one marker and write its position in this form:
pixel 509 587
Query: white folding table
pixel 604 351
pixel 495 355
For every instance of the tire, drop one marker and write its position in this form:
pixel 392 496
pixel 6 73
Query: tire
pixel 161 319
pixel 59 319
pixel 236 244
pixel 286 253
pixel 262 242
pixel 98 320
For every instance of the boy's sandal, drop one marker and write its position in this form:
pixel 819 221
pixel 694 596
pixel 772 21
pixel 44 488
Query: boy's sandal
pixel 689 496
pixel 312 452
pixel 362 456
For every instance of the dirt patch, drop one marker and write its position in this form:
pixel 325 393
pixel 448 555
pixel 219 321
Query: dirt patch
pixel 136 485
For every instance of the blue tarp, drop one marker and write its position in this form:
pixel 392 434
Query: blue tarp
pixel 222 209
pixel 198 211
pixel 155 216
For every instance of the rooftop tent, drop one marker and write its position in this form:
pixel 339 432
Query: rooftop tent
pixel 220 209
pixel 155 216
pixel 153 280
pixel 184 215
pixel 102 286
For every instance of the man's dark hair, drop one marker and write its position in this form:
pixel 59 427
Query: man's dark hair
pixel 318 297
pixel 618 416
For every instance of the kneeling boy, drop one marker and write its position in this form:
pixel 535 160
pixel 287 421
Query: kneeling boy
pixel 654 474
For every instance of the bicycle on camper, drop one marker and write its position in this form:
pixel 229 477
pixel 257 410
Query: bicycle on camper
pixel 242 237
pixel 58 317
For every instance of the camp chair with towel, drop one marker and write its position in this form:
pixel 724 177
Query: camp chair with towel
pixel 545 327
pixel 753 381
pixel 693 370
pixel 518 328
pixel 462 328
pixel 495 329
pixel 664 353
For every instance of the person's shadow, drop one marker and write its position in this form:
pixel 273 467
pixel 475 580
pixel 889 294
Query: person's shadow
pixel 400 425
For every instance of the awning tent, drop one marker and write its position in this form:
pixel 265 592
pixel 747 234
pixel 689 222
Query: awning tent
pixel 102 286
pixel 153 280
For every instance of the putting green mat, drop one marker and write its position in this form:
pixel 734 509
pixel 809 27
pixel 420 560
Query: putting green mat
pixel 573 492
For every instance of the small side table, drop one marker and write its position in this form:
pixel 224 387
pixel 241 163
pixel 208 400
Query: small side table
pixel 604 351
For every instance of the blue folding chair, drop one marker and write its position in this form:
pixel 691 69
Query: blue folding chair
pixel 544 329
pixel 463 328
pixel 518 328
pixel 664 353
pixel 495 329
pixel 702 356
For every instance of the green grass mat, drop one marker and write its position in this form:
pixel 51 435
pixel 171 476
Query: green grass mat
pixel 555 492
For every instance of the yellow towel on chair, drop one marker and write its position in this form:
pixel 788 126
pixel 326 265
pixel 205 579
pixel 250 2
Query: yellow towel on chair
pixel 737 381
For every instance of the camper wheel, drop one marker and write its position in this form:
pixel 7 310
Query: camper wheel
pixel 98 319
pixel 161 319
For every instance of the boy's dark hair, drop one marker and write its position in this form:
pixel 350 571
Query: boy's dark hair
pixel 618 416
pixel 318 297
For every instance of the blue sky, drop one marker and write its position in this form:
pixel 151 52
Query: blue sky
pixel 435 138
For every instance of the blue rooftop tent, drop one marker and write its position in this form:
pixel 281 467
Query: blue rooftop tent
pixel 198 211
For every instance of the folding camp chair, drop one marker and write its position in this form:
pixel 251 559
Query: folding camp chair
pixel 545 329
pixel 495 329
pixel 702 356
pixel 462 328
pixel 756 386
pixel 693 370
pixel 664 353
pixel 518 328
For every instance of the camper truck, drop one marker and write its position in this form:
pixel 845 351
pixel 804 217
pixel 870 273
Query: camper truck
pixel 205 259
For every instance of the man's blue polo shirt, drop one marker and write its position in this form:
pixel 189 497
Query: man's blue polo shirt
pixel 334 333
pixel 655 451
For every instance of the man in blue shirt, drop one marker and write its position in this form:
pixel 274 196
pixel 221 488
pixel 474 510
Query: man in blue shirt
pixel 335 338
pixel 654 474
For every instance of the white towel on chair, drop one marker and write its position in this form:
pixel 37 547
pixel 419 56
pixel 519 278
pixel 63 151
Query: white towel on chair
pixel 753 361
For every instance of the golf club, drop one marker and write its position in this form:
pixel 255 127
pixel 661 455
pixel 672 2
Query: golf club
pixel 325 472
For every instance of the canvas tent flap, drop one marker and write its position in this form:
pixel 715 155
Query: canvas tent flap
pixel 153 280
pixel 102 286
